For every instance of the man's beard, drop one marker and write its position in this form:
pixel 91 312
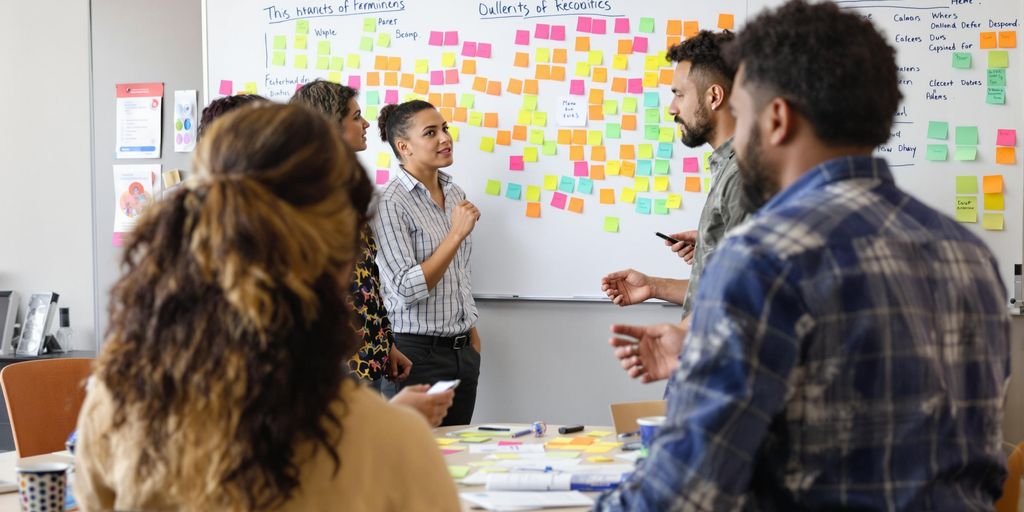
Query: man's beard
pixel 759 184
pixel 696 135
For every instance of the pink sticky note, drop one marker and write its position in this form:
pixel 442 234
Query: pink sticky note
pixel 598 26
pixel 451 38
pixel 391 96
pixel 691 164
pixel 583 24
pixel 468 49
pixel 483 50
pixel 1006 137
pixel 449 451
pixel 543 31
pixel 117 240
pixel 522 37
pixel 640 44
pixel 558 32
pixel 509 443
pixel 226 87
pixel 451 76
pixel 635 85
pixel 355 82
pixel 298 86
pixel 515 163
pixel 576 87
pixel 580 169
pixel 436 38
pixel 622 25
pixel 383 176
pixel 558 200
pixel 437 78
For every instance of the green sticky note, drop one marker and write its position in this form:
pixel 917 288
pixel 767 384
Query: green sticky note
pixel 992 221
pixel 966 184
pixel 659 207
pixel 384 40
pixel 661 167
pixel 366 44
pixel 466 100
pixel 629 105
pixel 337 63
pixel 665 135
pixel 529 102
pixel 966 135
pixel 458 471
pixel 961 60
pixel 371 113
pixel 302 27
pixel 514 191
pixel 280 42
pixel 997 77
pixel 372 98
pixel 301 62
pixel 936 152
pixel 613 131
pixel 647 25
pixel 540 119
pixel 667 116
pixel 996 96
pixel 536 136
pixel 651 115
pixel 323 62
pixel 998 59
pixel 369 24
pixel 938 130
pixel 651 132
pixel 352 61
pixel 493 188
pixel 611 107
pixel 550 148
pixel 966 209
pixel 278 59
pixel 532 193
pixel 476 119
pixel 323 48
pixel 965 153
pixel 611 224
pixel 300 42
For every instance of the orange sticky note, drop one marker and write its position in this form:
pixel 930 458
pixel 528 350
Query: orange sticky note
pixel 725 21
pixel 582 441
pixel 448 114
pixel 576 205
pixel 494 88
pixel 690 29
pixel 533 210
pixel 394 64
pixel 380 62
pixel 391 78
pixel 480 84
pixel 1006 155
pixel 469 67
pixel 596 97
pixel 629 122
pixel 448 100
pixel 564 137
pixel 491 120
pixel 671 41
pixel 515 86
pixel 408 79
pixel 543 72
pixel 596 113
pixel 619 84
pixel 607 196
pixel 692 184
pixel 559 56
pixel 627 152
pixel 373 78
pixel 599 75
pixel 992 184
pixel 665 76
pixel 674 28
pixel 530 86
pixel 579 137
pixel 597 172
pixel 576 153
pixel 422 86
pixel 1008 39
pixel 522 60
pixel 519 132
pixel 558 73
pixel 597 153
pixel 504 138
pixel 628 168
pixel 434 98
pixel 461 114
pixel 988 40
pixel 582 44
pixel 625 46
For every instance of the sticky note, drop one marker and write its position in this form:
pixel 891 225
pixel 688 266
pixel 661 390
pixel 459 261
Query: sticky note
pixel 1008 39
pixel 550 148
pixel 522 37
pixel 651 132
pixel 611 224
pixel 994 201
pixel 451 38
pixel 436 38
pixel 1006 137
pixel 936 152
pixel 995 95
pixel 992 221
pixel 641 184
pixel 227 87
pixel 366 44
pixel 558 33
pixel 661 167
pixel 664 150
pixel 646 25
pixel 277 59
pixel 475 439
pixel 353 61
pixel 992 184
pixel 643 205
pixel 576 205
pixel 567 184
pixel 665 135
pixel 558 200
pixel 529 154
pixel 539 119
pixel 391 96
pixel 644 168
pixel 674 201
pixel 966 209
pixel 583 24
pixel 585 186
pixel 938 130
pixel 576 87
pixel 532 193
pixel 514 191
pixel 550 182
pixel 1006 155
pixel 337 63
pixel 458 471
pixel 483 50
pixel 640 44
pixel 691 164
pixel 961 60
pixel 965 153
pixel 611 107
pixel 580 168
pixel 996 78
pixel 372 98
pixel 966 185
pixel 382 176
pixel 660 208
pixel 487 144
pixel 493 188
pixel 301 62
pixel 613 130
pixel 726 21
pixel 302 27
pixel 280 42
pixel 692 184
pixel 437 78
pixel 998 59
pixel 660 184
pixel 966 135
pixel 987 40
pixel 594 138
pixel 515 163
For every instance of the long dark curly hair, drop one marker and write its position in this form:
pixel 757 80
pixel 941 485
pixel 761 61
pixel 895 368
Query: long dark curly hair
pixel 225 349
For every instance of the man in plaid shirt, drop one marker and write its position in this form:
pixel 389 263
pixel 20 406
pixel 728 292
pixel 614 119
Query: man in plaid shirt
pixel 850 345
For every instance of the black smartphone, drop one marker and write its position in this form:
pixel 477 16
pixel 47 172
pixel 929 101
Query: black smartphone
pixel 666 237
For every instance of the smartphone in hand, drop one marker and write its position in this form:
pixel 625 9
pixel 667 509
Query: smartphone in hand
pixel 443 385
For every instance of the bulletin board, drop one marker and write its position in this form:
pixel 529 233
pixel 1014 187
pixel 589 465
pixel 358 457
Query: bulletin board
pixel 559 110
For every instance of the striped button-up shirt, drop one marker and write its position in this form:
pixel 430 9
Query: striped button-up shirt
pixel 409 227
pixel 849 350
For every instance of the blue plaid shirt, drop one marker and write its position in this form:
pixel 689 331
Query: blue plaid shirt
pixel 849 348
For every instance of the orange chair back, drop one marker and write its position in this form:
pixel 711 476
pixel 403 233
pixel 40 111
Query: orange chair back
pixel 1010 501
pixel 43 398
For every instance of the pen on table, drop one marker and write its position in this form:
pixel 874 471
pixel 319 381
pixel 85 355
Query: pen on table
pixel 627 435
pixel 523 432
pixel 494 429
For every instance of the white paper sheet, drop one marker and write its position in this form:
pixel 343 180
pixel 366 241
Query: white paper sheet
pixel 501 500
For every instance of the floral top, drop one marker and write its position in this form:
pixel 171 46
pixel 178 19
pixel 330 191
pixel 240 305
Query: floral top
pixel 371 320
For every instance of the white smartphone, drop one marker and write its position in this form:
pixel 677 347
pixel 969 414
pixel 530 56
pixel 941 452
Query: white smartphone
pixel 443 385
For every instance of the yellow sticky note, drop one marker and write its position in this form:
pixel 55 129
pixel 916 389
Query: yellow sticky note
pixel 550 182
pixel 543 55
pixel 540 119
pixel 525 117
pixel 383 160
pixel 448 59
pixel 446 442
pixel 487 144
pixel 582 69
pixel 560 440
pixel 458 471
pixel 661 184
pixel 507 456
pixel 301 42
pixel 620 62
pixel 594 138
pixel 994 202
pixel 595 57
pixel 422 65
pixel 301 62
pixel 641 184
pixel 598 460
pixel 532 193
pixel 674 201
pixel 627 195
pixel 599 449
pixel 352 61
pixel 992 221
pixel 530 154
pixel 614 168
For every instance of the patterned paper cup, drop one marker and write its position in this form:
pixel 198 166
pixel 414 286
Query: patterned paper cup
pixel 41 486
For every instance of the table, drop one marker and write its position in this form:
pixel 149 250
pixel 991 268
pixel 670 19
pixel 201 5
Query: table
pixel 8 460
pixel 463 457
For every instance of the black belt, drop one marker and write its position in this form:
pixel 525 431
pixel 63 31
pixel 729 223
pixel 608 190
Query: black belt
pixel 456 342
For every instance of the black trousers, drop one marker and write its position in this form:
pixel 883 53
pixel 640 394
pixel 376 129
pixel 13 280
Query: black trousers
pixel 432 361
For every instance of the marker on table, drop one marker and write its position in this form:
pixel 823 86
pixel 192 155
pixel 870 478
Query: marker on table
pixel 521 433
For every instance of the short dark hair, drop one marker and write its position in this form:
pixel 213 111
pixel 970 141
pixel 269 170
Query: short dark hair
pixel 221 106
pixel 833 66
pixel 704 53
pixel 393 120
pixel 328 98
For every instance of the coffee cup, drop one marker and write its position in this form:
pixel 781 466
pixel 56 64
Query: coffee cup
pixel 41 486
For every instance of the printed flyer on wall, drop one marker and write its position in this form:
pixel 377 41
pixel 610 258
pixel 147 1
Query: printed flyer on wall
pixel 138 120
pixel 185 107
pixel 135 189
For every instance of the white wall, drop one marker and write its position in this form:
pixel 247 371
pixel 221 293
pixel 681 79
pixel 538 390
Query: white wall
pixel 45 176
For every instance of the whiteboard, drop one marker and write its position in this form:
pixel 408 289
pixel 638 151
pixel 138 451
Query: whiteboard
pixel 563 254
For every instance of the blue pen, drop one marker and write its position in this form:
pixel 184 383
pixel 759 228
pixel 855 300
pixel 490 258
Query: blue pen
pixel 523 432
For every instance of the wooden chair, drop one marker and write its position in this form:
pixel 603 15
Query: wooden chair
pixel 1011 500
pixel 624 414
pixel 43 398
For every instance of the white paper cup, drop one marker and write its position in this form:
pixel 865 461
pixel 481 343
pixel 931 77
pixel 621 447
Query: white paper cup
pixel 649 426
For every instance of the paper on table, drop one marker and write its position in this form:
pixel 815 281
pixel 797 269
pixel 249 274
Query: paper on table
pixel 516 448
pixel 519 500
